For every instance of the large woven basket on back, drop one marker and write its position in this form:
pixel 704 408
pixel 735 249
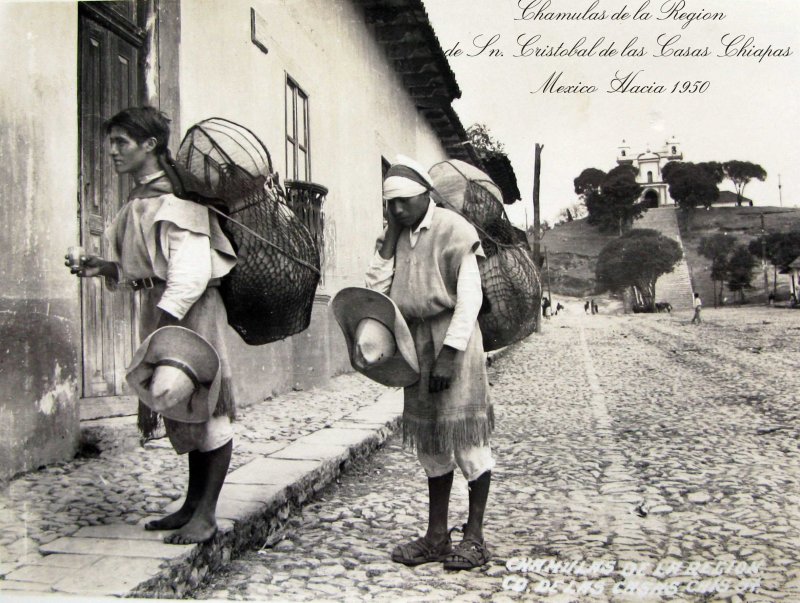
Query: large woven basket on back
pixel 270 292
pixel 509 276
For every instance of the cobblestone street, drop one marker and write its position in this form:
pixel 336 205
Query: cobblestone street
pixel 665 454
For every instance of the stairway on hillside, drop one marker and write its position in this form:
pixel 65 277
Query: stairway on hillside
pixel 675 287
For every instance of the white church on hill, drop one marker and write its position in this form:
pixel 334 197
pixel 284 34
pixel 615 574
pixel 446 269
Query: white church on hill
pixel 649 165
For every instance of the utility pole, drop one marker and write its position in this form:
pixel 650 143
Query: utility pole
pixel 537 229
pixel 537 167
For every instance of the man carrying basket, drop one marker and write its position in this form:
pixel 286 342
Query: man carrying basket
pixel 174 252
pixel 427 264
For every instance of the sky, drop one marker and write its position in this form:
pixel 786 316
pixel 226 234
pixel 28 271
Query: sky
pixel 749 109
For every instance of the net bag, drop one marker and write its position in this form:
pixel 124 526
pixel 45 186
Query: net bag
pixel 270 292
pixel 509 276
pixel 511 284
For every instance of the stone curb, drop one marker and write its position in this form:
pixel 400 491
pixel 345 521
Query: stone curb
pixel 256 501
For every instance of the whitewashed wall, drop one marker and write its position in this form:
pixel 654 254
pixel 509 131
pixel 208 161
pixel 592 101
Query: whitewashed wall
pixel 359 111
pixel 39 299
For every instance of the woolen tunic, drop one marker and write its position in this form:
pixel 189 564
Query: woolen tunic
pixel 424 287
pixel 140 242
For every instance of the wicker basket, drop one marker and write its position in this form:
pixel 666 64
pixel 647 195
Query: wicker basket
pixel 509 276
pixel 270 292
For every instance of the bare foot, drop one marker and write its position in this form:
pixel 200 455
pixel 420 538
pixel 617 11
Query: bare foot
pixel 196 531
pixel 176 520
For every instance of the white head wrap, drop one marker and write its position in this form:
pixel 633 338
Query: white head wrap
pixel 406 178
pixel 399 186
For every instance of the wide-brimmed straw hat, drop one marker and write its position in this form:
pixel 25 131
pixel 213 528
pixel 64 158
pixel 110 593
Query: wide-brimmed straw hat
pixel 176 372
pixel 379 341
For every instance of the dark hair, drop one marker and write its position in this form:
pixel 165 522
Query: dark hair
pixel 141 123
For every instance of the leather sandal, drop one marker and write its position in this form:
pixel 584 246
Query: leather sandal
pixel 467 554
pixel 421 551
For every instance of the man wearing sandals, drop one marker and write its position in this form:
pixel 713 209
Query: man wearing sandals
pixel 427 263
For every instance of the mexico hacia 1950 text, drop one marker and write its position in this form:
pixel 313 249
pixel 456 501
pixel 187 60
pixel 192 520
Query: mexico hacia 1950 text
pixel 632 82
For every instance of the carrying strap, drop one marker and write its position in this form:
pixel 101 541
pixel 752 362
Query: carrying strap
pixel 485 235
pixel 405 171
pixel 263 240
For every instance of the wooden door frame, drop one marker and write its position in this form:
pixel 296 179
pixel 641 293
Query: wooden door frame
pixel 158 68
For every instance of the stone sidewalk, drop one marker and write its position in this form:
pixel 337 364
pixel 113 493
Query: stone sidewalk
pixel 76 528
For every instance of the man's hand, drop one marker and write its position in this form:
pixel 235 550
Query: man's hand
pixel 442 371
pixel 92 265
pixel 167 320
pixel 392 234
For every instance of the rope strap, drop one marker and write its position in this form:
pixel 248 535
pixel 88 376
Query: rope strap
pixel 262 239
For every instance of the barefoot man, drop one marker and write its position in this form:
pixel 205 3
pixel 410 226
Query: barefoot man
pixel 174 252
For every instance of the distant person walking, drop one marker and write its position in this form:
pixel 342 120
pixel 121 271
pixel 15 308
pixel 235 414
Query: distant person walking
pixel 586 307
pixel 698 305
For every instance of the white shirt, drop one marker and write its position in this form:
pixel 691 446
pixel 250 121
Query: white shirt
pixel 469 296
pixel 189 269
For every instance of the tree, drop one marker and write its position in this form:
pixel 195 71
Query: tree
pixel 740 270
pixel 781 249
pixel 613 205
pixel 588 184
pixel 692 184
pixel 576 211
pixel 788 249
pixel 481 139
pixel 588 181
pixel 717 247
pixel 669 169
pixel 742 172
pixel 530 233
pixel 714 169
pixel 636 260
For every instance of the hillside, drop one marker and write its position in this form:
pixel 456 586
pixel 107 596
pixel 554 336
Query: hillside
pixel 744 224
pixel 573 248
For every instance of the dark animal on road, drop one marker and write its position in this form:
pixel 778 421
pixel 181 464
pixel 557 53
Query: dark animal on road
pixel 663 307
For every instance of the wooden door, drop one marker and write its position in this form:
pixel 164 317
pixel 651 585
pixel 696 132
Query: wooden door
pixel 110 79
